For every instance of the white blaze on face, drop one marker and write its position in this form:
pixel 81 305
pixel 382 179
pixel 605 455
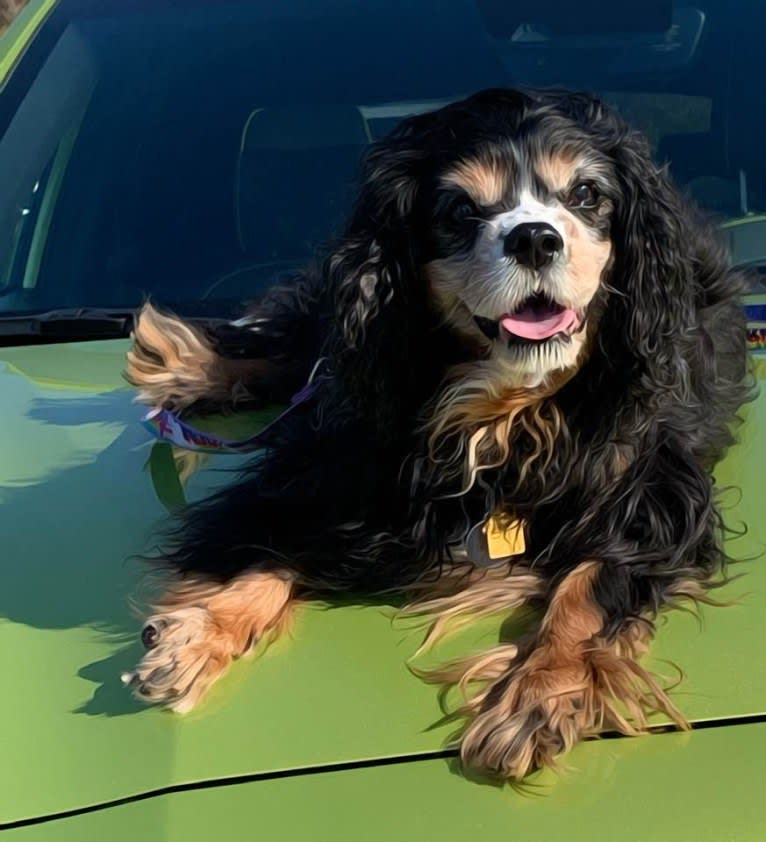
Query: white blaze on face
pixel 529 209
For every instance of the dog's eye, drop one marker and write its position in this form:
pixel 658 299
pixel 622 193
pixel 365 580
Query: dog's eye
pixel 583 195
pixel 461 210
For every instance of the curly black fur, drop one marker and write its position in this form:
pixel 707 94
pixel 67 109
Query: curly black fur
pixel 346 495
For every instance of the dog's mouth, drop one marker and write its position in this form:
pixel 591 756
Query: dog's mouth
pixel 537 319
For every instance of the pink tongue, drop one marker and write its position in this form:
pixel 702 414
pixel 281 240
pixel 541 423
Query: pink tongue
pixel 536 323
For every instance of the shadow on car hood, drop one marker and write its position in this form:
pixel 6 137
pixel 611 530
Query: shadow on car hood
pixel 77 503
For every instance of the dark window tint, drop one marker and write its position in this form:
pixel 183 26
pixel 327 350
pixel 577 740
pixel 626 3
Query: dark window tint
pixel 198 151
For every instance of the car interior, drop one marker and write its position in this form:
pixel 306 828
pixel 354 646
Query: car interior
pixel 207 164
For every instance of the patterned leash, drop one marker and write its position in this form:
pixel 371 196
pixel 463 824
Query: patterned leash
pixel 167 426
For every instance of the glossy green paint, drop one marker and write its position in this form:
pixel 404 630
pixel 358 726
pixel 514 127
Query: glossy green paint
pixel 21 32
pixel 76 501
pixel 702 787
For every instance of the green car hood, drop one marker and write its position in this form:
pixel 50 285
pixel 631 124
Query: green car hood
pixel 77 503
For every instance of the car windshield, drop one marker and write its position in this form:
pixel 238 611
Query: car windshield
pixel 198 152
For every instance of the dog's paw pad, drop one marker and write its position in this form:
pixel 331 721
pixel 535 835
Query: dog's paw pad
pixel 185 655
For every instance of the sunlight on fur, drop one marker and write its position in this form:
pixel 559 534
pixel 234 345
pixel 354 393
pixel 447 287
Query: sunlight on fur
pixel 528 702
pixel 198 628
pixel 479 414
pixel 169 361
pixel 478 593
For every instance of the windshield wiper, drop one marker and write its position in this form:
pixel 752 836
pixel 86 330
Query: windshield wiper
pixel 79 324
pixel 71 324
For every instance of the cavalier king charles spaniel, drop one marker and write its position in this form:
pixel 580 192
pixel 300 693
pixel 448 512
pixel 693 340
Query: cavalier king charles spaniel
pixel 526 354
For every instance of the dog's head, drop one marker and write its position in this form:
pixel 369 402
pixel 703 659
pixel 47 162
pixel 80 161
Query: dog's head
pixel 530 225
pixel 519 238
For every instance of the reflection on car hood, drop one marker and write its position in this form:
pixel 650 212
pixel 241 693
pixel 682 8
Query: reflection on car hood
pixel 76 503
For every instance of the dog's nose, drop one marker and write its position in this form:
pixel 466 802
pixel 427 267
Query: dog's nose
pixel 533 244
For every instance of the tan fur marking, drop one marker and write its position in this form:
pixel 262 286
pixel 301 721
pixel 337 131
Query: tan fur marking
pixel 618 458
pixel 479 414
pixel 587 260
pixel 622 456
pixel 169 362
pixel 483 181
pixel 557 170
pixel 202 627
pixel 538 698
pixel 173 365
pixel 697 592
pixel 572 617
pixel 467 593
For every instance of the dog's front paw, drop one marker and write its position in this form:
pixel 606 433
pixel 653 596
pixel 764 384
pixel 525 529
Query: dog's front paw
pixel 186 654
pixel 171 363
pixel 537 717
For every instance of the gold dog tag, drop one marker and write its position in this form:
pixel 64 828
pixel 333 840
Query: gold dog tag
pixel 489 545
pixel 502 543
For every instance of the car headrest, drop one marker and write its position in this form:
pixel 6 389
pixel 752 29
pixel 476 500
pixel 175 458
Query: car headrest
pixel 295 173
pixel 700 165
pixel 691 155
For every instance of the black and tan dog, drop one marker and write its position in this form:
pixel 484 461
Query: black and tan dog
pixel 523 324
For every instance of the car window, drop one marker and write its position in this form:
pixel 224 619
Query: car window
pixel 34 153
pixel 200 152
pixel 663 115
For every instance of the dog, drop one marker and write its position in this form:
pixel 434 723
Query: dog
pixel 524 330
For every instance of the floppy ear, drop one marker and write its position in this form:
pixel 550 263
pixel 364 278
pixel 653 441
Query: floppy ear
pixel 674 324
pixel 655 271
pixel 373 277
pixel 368 269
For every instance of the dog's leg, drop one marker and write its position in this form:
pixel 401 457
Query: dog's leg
pixel 567 683
pixel 199 627
pixel 174 365
pixel 463 594
pixel 266 356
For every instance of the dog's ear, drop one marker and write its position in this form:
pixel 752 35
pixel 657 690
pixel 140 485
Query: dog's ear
pixel 667 263
pixel 654 307
pixel 675 313
pixel 373 277
pixel 370 268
